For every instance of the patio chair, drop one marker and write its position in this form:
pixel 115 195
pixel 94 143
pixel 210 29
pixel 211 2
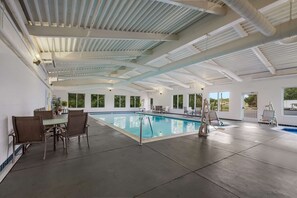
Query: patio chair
pixel 76 126
pixel 44 114
pixel 75 112
pixel 28 130
pixel 213 119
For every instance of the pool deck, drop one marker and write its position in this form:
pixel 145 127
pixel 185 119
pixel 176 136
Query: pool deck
pixel 248 160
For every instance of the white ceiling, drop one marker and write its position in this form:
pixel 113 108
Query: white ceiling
pixel 77 39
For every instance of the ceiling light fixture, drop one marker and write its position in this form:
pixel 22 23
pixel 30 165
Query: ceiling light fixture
pixel 37 62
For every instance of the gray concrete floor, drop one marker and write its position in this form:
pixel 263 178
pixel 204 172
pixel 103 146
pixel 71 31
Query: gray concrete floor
pixel 244 161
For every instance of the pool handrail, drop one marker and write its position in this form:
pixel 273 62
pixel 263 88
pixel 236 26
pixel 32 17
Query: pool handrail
pixel 140 128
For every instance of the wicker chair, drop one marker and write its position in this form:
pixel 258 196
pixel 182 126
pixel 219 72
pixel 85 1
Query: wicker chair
pixel 76 126
pixel 28 130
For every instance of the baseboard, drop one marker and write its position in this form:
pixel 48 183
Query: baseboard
pixel 288 125
pixel 6 165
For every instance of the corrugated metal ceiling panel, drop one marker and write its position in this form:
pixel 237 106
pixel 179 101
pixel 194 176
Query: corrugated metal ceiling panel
pixel 242 62
pixel 125 15
pixel 281 56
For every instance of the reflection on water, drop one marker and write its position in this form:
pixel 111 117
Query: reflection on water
pixel 120 122
pixel 134 122
pixel 161 126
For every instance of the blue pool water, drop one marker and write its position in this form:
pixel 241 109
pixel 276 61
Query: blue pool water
pixel 162 126
pixel 291 130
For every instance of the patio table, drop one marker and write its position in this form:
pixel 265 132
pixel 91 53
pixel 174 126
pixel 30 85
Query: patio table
pixel 61 119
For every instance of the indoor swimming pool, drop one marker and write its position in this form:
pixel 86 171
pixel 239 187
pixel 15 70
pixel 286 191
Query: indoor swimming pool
pixel 160 126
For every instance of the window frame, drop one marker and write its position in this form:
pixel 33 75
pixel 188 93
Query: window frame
pixel 195 100
pixel 98 100
pixel 121 99
pixel 77 99
pixel 283 102
pixel 219 100
pixel 178 104
pixel 135 101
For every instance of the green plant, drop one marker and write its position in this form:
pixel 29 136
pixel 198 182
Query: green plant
pixel 56 104
pixel 64 103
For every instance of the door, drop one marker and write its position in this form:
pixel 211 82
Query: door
pixel 250 106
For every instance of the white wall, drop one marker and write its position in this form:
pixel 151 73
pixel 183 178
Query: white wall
pixel 21 93
pixel 109 98
pixel 267 90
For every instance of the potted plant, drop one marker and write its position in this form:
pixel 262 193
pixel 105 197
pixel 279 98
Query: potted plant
pixel 57 105
pixel 64 103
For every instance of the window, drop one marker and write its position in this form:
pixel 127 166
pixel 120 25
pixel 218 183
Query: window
pixel 213 100
pixel 178 101
pixel 119 101
pixel 219 101
pixel 290 101
pixel 175 102
pixel 195 101
pixel 76 100
pixel 224 101
pixel 134 101
pixel 97 100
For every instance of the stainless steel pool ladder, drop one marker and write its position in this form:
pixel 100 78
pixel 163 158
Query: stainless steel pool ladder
pixel 140 133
